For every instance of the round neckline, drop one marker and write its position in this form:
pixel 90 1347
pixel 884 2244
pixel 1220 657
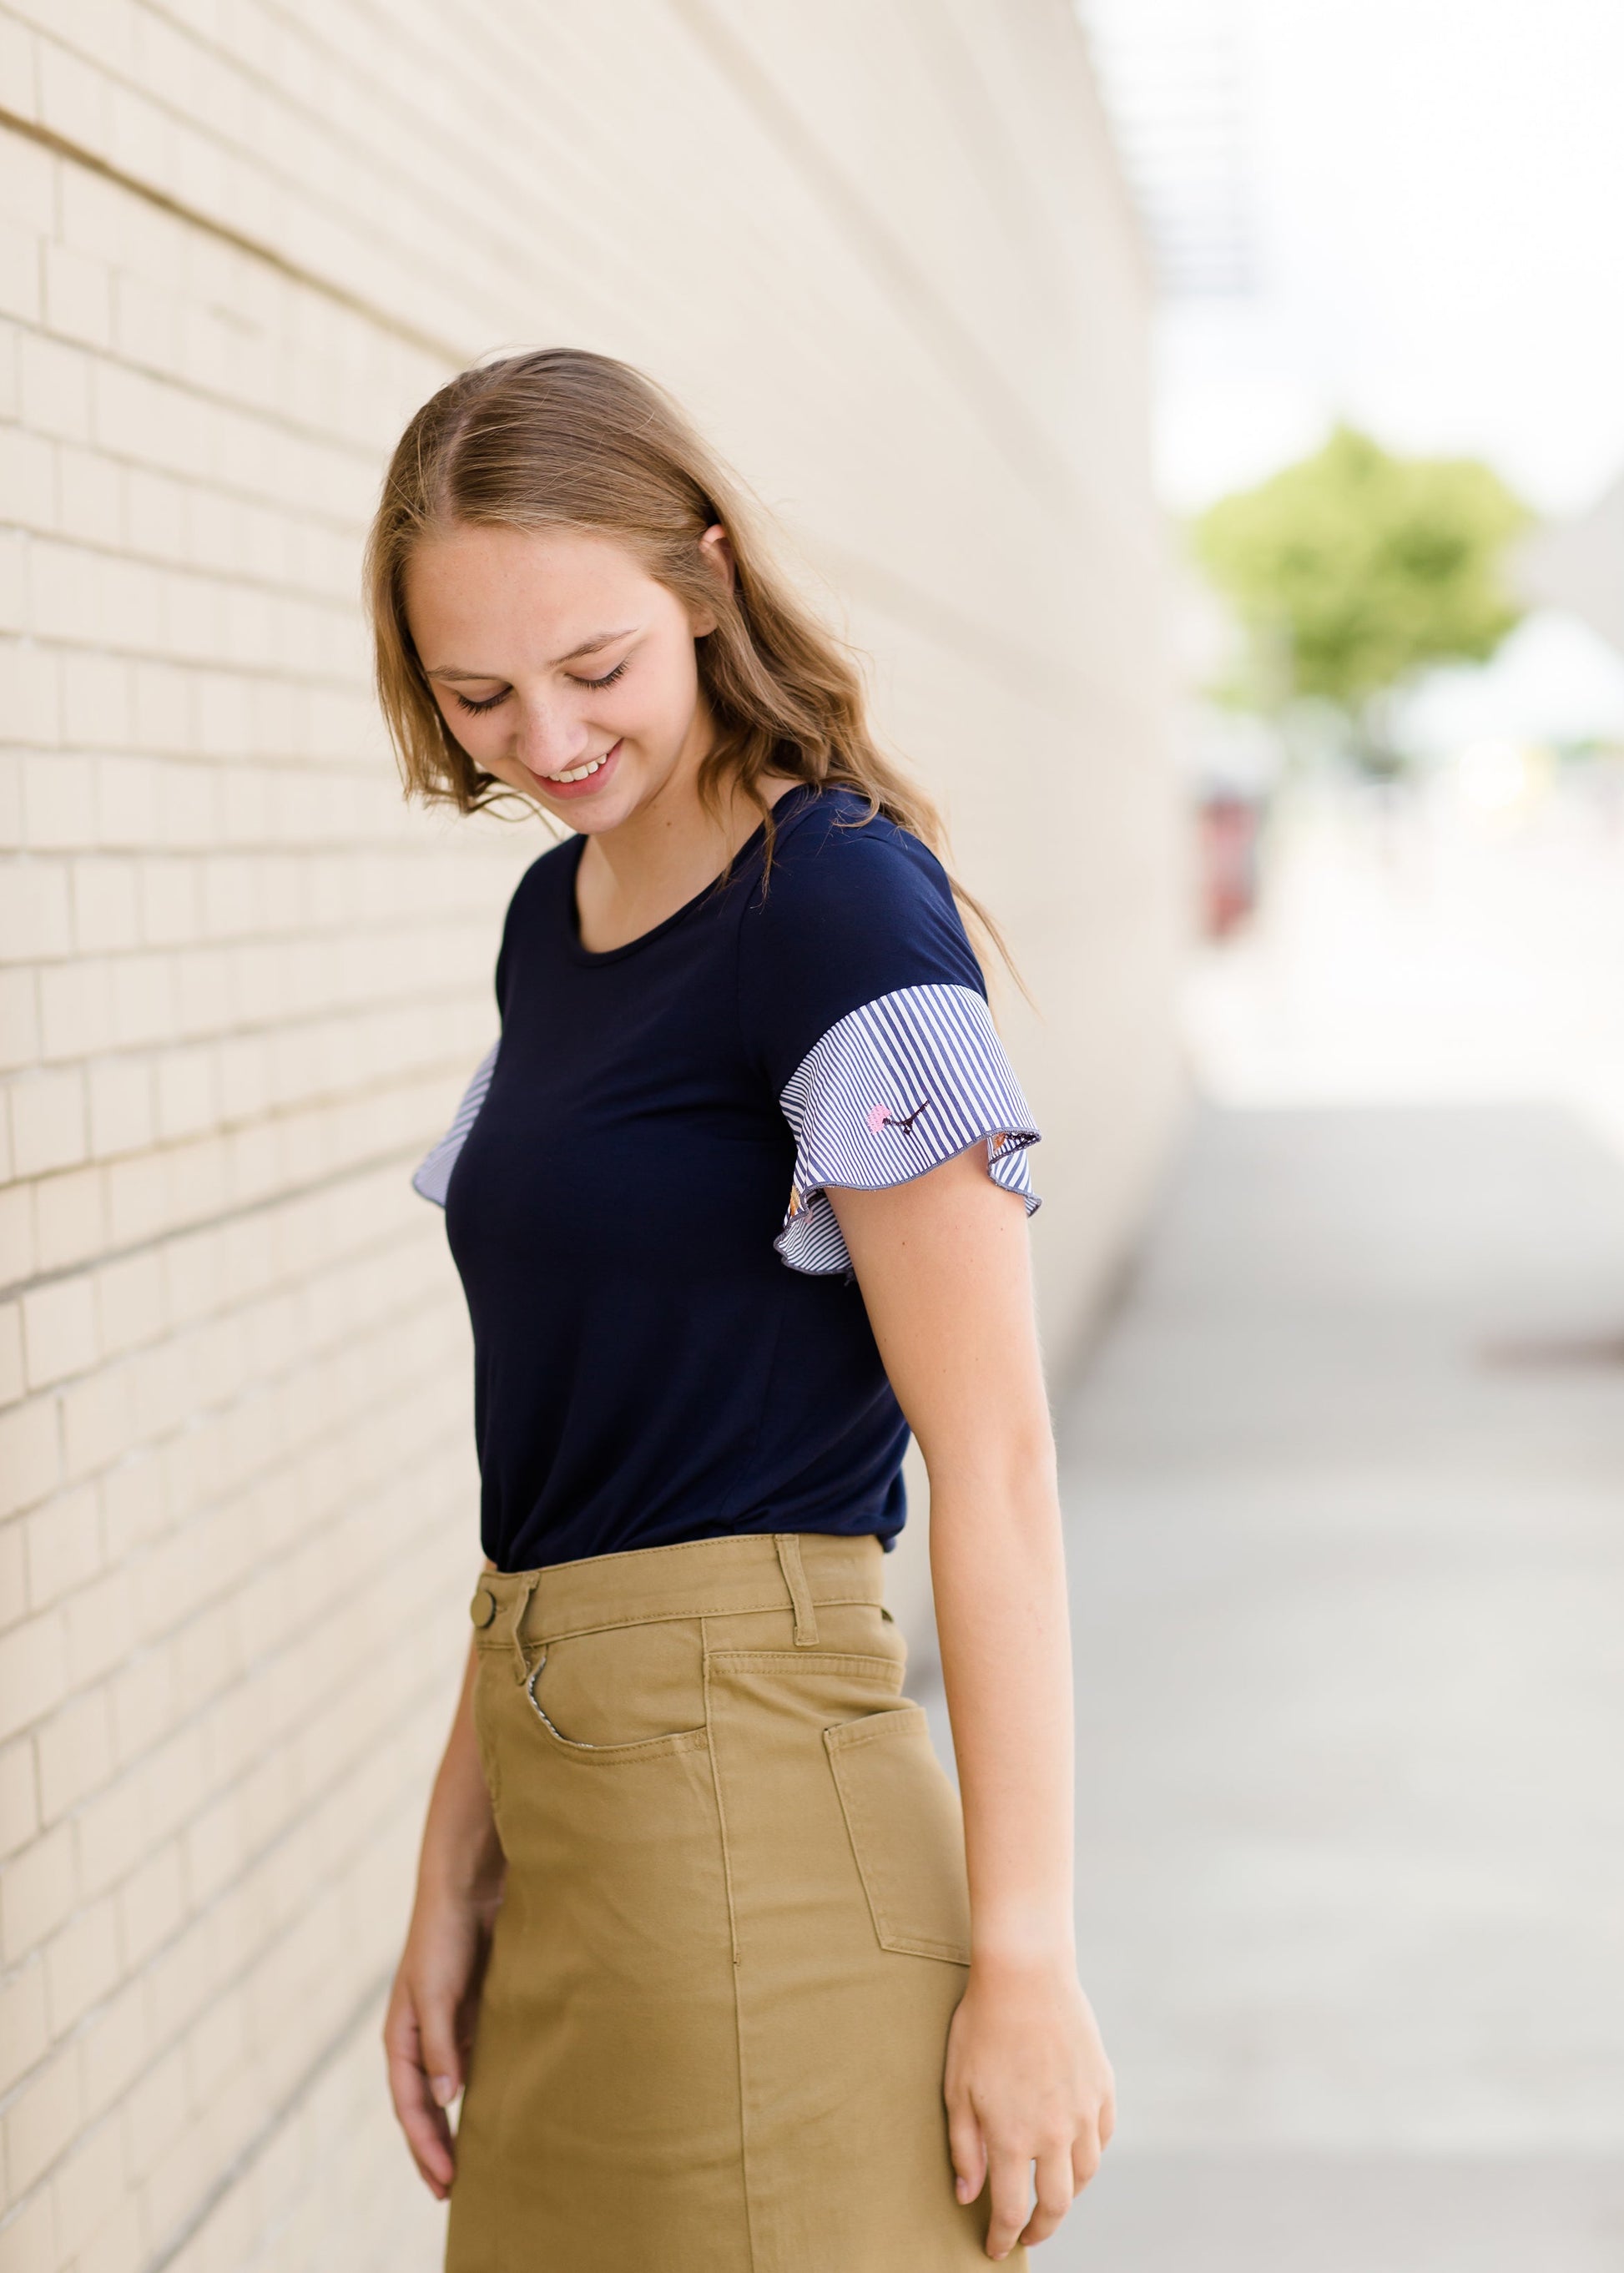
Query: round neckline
pixel 583 953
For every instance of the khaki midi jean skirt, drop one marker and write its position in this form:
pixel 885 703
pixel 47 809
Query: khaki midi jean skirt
pixel 711 2033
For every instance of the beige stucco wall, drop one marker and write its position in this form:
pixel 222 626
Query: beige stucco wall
pixel 879 247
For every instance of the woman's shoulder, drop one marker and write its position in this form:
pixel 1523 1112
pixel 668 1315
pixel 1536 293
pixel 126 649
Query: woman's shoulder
pixel 531 926
pixel 851 911
pixel 549 877
pixel 832 850
pixel 551 869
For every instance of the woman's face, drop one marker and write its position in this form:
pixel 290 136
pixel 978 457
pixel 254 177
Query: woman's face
pixel 560 665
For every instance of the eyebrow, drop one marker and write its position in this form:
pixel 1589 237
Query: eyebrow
pixel 587 646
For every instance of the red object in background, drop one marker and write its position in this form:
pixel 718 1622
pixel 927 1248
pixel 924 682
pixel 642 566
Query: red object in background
pixel 1226 831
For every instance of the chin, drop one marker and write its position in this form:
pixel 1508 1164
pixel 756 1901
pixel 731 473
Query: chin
pixel 589 820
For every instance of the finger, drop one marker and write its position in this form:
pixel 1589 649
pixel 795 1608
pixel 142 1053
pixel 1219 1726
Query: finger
pixel 1085 2152
pixel 439 2051
pixel 1010 2180
pixel 1108 2122
pixel 968 2151
pixel 1054 2191
pixel 428 2133
pixel 418 2108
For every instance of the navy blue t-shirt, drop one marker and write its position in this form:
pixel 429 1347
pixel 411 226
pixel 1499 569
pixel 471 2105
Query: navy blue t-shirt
pixel 668 1341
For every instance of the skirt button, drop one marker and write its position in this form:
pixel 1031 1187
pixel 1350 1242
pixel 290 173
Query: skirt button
pixel 482 1610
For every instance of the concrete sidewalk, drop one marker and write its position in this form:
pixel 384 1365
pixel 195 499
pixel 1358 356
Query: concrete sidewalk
pixel 1346 1489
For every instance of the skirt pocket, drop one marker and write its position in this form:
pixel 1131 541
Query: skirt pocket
pixel 627 1693
pixel 907 1832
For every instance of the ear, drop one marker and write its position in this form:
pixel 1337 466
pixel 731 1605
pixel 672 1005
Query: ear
pixel 717 555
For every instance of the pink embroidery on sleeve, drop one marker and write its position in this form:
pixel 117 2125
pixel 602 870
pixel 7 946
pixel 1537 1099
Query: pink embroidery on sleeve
pixel 883 1117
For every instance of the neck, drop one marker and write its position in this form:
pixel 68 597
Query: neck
pixel 631 877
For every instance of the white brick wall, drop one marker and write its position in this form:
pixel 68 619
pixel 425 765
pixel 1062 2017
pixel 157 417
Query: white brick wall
pixel 880 250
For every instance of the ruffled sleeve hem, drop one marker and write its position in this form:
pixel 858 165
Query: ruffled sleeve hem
pixel 888 1093
pixel 431 1176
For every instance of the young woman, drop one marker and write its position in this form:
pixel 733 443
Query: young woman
pixel 738 1199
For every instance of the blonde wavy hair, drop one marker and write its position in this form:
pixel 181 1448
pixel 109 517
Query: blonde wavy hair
pixel 561 437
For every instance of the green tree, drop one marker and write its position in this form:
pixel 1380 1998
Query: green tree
pixel 1354 569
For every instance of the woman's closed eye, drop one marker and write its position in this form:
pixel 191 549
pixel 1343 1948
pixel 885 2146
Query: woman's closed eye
pixel 491 701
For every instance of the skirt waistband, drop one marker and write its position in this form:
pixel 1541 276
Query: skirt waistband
pixel 700 1578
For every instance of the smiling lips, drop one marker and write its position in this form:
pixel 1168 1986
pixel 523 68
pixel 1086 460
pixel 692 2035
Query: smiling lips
pixel 578 779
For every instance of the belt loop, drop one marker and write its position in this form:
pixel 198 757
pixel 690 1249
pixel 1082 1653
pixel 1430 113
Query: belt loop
pixel 788 1544
pixel 520 1603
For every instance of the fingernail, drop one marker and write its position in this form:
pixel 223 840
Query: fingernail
pixel 444 2089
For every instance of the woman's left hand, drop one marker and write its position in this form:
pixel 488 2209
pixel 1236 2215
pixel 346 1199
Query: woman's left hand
pixel 1027 2084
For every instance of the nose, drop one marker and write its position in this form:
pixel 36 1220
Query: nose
pixel 549 739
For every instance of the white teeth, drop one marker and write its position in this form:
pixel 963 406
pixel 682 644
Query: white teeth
pixel 579 773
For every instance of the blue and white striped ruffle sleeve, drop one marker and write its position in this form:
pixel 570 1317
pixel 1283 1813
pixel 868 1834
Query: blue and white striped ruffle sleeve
pixel 431 1176
pixel 889 1091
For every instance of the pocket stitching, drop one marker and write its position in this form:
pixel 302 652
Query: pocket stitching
pixel 484 1742
pixel 847 1736
pixel 857 1667
pixel 585 1755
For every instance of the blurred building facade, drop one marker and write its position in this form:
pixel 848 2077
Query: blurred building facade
pixel 1579 565
pixel 883 253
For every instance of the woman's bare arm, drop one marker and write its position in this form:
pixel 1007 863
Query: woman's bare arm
pixel 428 2025
pixel 943 1266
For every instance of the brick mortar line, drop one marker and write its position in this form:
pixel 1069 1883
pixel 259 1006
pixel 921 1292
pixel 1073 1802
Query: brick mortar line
pixel 325 681
pixel 212 1605
pixel 247 2156
pixel 256 1388
pixel 82 2024
pixel 165 2045
pixel 398 109
pixel 253 1390
pixel 444 351
pixel 232 580
pixel 215 1605
pixel 268 1118
pixel 234 1980
pixel 152 1056
pixel 402 849
pixel 1021 217
pixel 336 440
pixel 225 943
pixel 1015 430
pixel 936 619
pixel 370 1164
pixel 266 1031
pixel 194 390
pixel 49 855
pixel 195 484
pixel 380 1248
pixel 990 389
pixel 275 765
pixel 424 1303
pixel 502 253
pixel 308 1807
pixel 269 1032
pixel 295 189
pixel 480 93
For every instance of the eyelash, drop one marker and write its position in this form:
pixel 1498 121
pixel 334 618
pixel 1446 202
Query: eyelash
pixel 491 700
